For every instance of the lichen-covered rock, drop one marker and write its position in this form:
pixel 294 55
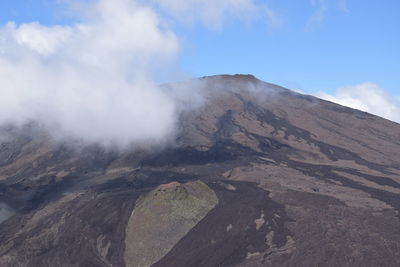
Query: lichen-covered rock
pixel 162 217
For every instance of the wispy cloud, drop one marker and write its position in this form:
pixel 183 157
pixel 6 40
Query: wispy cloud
pixel 274 18
pixel 321 8
pixel 342 4
pixel 213 13
pixel 318 17
pixel 369 97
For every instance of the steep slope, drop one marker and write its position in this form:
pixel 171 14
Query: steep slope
pixel 290 180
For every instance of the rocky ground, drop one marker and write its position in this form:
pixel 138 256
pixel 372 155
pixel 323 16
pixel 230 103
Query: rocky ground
pixel 258 176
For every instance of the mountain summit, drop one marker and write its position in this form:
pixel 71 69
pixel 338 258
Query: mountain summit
pixel 257 176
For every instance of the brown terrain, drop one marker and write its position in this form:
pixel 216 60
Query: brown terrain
pixel 258 176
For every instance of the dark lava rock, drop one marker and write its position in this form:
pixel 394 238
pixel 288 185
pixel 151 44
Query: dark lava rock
pixel 258 176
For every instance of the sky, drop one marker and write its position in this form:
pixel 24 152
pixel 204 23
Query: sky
pixel 348 43
pixel 345 46
pixel 345 51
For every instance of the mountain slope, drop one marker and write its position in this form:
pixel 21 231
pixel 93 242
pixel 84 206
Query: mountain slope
pixel 298 181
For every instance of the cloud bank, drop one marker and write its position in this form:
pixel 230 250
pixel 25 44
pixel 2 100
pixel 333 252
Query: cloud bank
pixel 91 80
pixel 368 97
pixel 94 81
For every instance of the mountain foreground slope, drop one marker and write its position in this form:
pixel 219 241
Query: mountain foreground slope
pixel 258 176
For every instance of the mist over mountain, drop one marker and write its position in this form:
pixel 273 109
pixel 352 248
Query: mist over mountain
pixel 97 79
pixel 254 175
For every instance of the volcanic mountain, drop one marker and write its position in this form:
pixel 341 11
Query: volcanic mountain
pixel 257 176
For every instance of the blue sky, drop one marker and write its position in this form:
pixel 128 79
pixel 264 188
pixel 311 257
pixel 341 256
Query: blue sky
pixel 351 44
pixel 341 50
pixel 346 48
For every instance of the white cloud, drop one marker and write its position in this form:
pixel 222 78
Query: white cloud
pixel 368 97
pixel 92 80
pixel 43 40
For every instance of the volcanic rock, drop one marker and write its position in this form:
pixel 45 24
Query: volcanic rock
pixel 258 176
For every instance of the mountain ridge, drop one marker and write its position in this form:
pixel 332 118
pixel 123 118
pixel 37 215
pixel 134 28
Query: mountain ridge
pixel 299 182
